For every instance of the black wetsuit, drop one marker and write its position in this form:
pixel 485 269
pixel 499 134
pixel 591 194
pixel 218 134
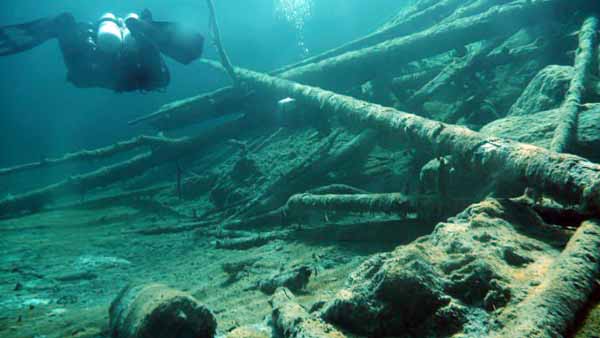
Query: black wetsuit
pixel 141 68
pixel 132 69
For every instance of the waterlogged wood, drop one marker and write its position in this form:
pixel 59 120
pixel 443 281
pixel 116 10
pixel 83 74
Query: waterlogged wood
pixel 196 109
pixel 424 18
pixel 566 178
pixel 356 67
pixel 390 203
pixel 293 321
pixel 359 66
pixel 91 155
pixel 552 306
pixel 79 184
pixel 565 135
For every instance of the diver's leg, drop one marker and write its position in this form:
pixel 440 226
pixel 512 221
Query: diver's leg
pixel 19 38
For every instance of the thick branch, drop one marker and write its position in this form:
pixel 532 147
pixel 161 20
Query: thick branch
pixel 392 203
pixel 89 155
pixel 217 40
pixel 568 284
pixel 565 135
pixel 566 178
pixel 37 199
pixel 422 19
pixel 357 67
pixel 293 321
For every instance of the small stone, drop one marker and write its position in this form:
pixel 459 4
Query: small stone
pixel 18 287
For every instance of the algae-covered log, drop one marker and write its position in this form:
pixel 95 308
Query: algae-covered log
pixel 293 321
pixel 356 67
pixel 565 135
pixel 196 109
pixel 552 306
pixel 157 311
pixel 79 184
pixel 91 155
pixel 408 24
pixel 391 203
pixel 566 178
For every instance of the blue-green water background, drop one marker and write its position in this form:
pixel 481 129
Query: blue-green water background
pixel 41 115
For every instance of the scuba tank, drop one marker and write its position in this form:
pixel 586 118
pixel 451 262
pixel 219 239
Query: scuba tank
pixel 110 36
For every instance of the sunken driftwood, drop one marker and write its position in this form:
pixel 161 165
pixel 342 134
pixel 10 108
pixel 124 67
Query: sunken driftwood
pixel 300 206
pixel 293 321
pixel 566 178
pixel 407 24
pixel 354 68
pixel 565 135
pixel 91 155
pixel 216 34
pixel 80 184
pixel 566 288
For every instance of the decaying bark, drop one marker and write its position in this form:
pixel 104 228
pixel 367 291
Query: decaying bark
pixel 565 135
pixel 451 72
pixel 553 305
pixel 245 243
pixel 392 203
pixel 37 199
pixel 293 321
pixel 92 155
pixel 566 178
pixel 312 171
pixel 195 109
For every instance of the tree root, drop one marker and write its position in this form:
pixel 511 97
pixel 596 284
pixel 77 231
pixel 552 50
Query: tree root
pixel 565 135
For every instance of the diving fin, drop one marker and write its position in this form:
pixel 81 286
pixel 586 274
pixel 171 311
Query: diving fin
pixel 22 37
pixel 172 39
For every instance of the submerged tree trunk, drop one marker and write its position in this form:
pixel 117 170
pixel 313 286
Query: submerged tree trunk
pixel 566 178
pixel 565 135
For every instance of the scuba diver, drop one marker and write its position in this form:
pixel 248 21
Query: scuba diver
pixel 114 53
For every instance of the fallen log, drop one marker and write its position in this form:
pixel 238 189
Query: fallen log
pixel 312 171
pixel 79 184
pixel 450 73
pixel 293 321
pixel 392 203
pixel 565 135
pixel 357 67
pixel 408 24
pixel 91 155
pixel 567 178
pixel 553 305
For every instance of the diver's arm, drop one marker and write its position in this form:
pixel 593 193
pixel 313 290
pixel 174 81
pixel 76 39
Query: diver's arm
pixel 172 39
pixel 19 38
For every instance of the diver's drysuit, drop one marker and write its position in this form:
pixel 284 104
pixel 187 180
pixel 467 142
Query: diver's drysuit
pixel 114 53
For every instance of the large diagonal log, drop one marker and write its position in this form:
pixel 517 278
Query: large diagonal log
pixel 37 199
pixel 565 135
pixel 552 306
pixel 567 178
pixel 91 155
pixel 356 67
pixel 415 22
